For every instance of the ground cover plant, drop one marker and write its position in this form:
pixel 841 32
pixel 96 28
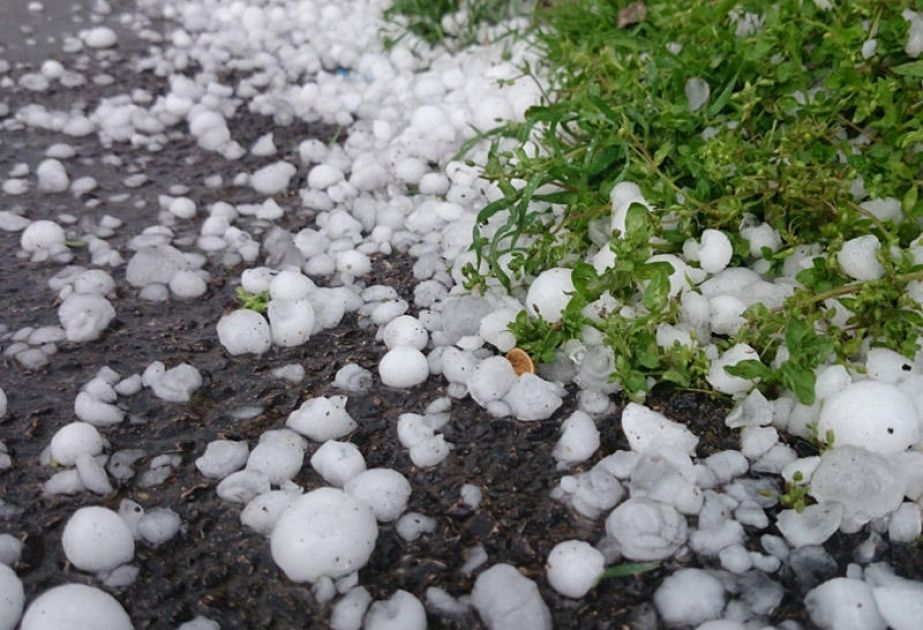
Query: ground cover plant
pixel 794 131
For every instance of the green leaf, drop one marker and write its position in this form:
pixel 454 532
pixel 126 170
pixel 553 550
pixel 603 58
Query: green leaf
pixel 912 69
pixel 628 569
pixel 749 369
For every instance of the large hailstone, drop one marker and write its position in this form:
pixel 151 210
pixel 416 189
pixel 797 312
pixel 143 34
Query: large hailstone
pixel 549 294
pixel 85 316
pixel 722 381
pixel 291 322
pixel 75 607
pixel 11 598
pixel 97 539
pixel 384 490
pixel 874 415
pixel 844 603
pixel 868 485
pixel 690 597
pixel 574 567
pixel 506 599
pixel 322 419
pixel 403 366
pixel 326 532
pixel 244 331
pixel 647 530
pixel 75 439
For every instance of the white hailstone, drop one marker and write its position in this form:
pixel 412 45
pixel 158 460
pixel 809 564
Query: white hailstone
pixel 99 37
pixel 10 550
pixel 603 259
pixel 405 330
pixel 722 381
pixel 353 262
pixel 199 623
pixel 291 372
pixel 914 45
pixel 222 457
pixel 533 398
pixel 887 366
pixel 830 380
pixel 471 495
pixel 905 524
pixel 579 440
pixel 812 526
pixel 74 606
pixel 244 331
pixel 278 459
pixel 264 510
pixel 290 323
pixel 94 281
pixel 322 419
pixel 491 111
pixel 681 275
pixel 182 207
pixel 430 451
pixel 243 486
pixel 646 530
pixel 844 603
pixel 353 378
pixel 92 475
pixel 12 598
pixel 715 251
pixel 97 539
pixel 490 380
pixel 495 329
pixel 623 195
pixel 457 365
pixel 900 603
pixel 323 176
pixel 90 407
pixel 347 614
pixel 85 316
pixel 412 525
pixel 401 611
pixel 384 490
pixel 3 403
pixel 689 597
pixel 649 431
pixel 859 258
pixel 337 462
pixel 574 567
pixel 176 384
pixel 187 285
pixel 403 367
pixel 73 440
pixel 154 264
pixel 264 146
pixel 257 279
pixel 874 415
pixel 159 525
pixel 549 294
pixel 43 236
pixel 272 179
pixel 505 598
pixel 290 286
pixel 52 176
pixel 697 92
pixel 323 533
pixel 867 484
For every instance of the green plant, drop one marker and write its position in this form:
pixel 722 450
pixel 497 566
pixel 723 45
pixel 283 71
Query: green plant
pixel 796 492
pixel 427 18
pixel 254 301
pixel 628 569
pixel 797 117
